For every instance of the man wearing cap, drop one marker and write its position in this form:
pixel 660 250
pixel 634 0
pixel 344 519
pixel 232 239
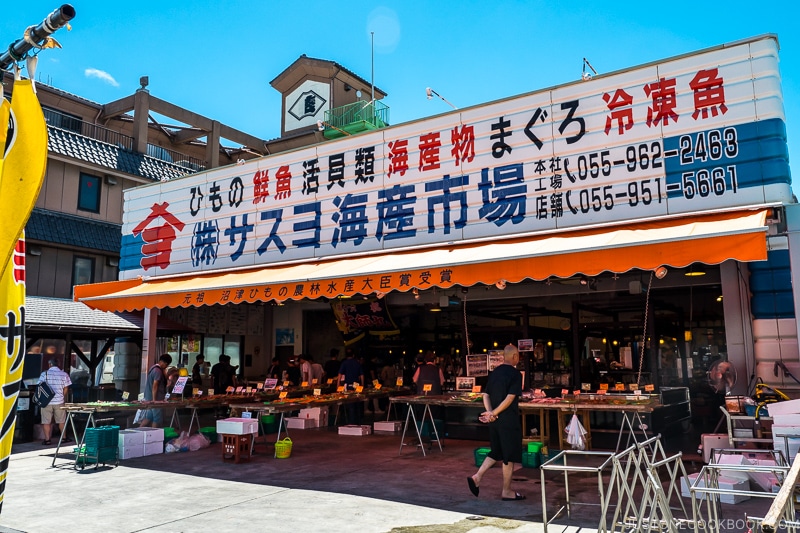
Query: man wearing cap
pixel 59 382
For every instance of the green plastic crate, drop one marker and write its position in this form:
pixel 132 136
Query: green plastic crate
pixel 531 459
pixel 480 455
pixel 210 433
pixel 170 433
pixel 535 447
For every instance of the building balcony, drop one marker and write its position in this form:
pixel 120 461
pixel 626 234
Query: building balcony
pixel 355 118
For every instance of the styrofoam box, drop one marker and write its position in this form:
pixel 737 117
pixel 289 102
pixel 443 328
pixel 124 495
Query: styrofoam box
pixel 779 442
pixel 766 481
pixel 130 452
pixel 767 349
pixel 786 420
pixel 128 438
pixel 295 422
pixel 713 441
pixel 153 448
pixel 355 430
pixel 391 425
pixel 781 327
pixel 783 408
pixel 731 459
pixel 151 434
pixel 722 483
pixel 319 414
pixel 237 426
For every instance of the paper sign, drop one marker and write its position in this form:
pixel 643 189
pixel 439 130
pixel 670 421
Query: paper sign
pixel 586 386
pixel 125 395
pixel 619 386
pixel 317 392
pixel 650 388
pixel 602 392
pixel 304 384
pixel 247 414
pixel 200 393
pixel 229 390
pixel 604 386
pixel 359 389
pixel 399 382
pixel 248 390
pixel 564 392
pixel 180 384
pixel 637 392
pixel 284 394
pixel 166 396
pixel 211 392
pixel 576 393
pixel 238 390
pixel 330 380
pixel 340 388
pixel 375 383
pixel 314 381
pixel 633 386
pixel 260 386
pixel 141 396
pixel 377 386
pixel 427 387
pixel 286 383
pixel 476 388
pixel 270 383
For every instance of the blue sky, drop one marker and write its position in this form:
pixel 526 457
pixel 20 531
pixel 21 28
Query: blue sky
pixel 217 58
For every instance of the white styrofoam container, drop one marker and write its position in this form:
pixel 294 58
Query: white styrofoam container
pixel 237 426
pixel 390 425
pixel 781 435
pixel 295 422
pixel 129 437
pixel 723 483
pixel 771 327
pixel 733 459
pixel 130 452
pixel 355 430
pixel 783 408
pixel 786 419
pixel 713 441
pixel 319 414
pixel 773 349
pixel 766 481
pixel 153 448
pixel 151 434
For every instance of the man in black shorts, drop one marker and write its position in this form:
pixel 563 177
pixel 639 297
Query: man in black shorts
pixel 501 401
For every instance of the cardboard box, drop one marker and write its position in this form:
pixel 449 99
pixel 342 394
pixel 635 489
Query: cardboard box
pixel 393 426
pixel 319 414
pixel 151 434
pixel 237 426
pixel 153 448
pixel 295 422
pixel 355 430
pixel 713 441
pixel 723 483
pixel 130 452
pixel 129 438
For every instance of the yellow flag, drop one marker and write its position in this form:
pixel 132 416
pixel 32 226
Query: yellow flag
pixel 12 351
pixel 23 170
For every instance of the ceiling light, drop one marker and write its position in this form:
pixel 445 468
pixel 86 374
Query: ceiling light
pixel 719 298
pixel 660 272
pixel 501 284
pixel 584 280
pixel 416 293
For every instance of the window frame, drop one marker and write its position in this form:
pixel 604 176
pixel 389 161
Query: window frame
pixel 81 197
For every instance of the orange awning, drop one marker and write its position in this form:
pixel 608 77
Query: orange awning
pixel 679 242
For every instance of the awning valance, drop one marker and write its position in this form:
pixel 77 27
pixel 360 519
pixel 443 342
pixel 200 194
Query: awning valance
pixel 709 239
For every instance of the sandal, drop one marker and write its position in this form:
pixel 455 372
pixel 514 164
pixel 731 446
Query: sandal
pixel 45 442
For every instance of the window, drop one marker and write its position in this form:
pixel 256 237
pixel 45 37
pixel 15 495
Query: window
pixel 82 270
pixel 89 193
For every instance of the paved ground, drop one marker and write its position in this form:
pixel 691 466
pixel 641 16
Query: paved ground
pixel 330 483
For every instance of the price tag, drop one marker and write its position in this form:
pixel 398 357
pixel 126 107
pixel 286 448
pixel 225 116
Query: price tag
pixel 377 386
pixel 166 396
pixel 141 396
pixel 650 388
pixel 211 392
pixel 602 392
pixel 576 393
pixel 399 382
pixel 125 395
pixel 304 384
pixel 199 392
pixel 247 414
pixel 270 383
pixel 359 389
pixel 283 395
pixel 564 392
pixel 314 381
pixel 286 383
pixel 586 386
pixel 476 389
pixel 317 392
pixel 340 388
pixel 619 386
pixel 633 386
pixel 330 380
pixel 229 390
pixel 238 390
pixel 637 392
pixel 604 386
pixel 249 390
pixel 375 383
pixel 260 386
pixel 427 387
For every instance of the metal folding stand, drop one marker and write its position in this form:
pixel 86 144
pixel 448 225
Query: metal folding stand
pixel 630 422
pixel 177 418
pixel 410 415
pixel 70 422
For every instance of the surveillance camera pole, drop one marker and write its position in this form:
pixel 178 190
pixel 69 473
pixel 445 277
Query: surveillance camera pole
pixel 431 91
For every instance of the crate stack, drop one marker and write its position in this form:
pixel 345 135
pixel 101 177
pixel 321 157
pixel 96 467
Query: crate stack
pixel 99 445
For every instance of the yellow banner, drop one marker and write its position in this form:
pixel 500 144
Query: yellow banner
pixel 22 168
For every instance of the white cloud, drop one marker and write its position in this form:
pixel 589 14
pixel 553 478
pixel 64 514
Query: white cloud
pixel 101 75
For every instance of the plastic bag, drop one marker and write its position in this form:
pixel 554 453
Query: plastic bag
pixel 197 442
pixel 576 434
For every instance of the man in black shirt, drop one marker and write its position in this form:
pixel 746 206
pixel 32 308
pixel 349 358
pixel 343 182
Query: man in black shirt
pixel 501 401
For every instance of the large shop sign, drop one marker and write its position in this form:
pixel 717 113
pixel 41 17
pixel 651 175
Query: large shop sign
pixel 688 134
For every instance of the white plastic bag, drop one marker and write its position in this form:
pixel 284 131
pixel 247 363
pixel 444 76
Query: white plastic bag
pixel 576 434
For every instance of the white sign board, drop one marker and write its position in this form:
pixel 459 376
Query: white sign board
pixel 688 134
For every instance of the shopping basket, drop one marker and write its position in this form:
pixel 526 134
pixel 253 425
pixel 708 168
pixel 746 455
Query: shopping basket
pixel 283 448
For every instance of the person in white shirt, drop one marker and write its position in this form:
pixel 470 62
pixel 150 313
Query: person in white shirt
pixel 59 382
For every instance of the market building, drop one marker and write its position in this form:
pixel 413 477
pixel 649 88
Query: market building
pixel 630 229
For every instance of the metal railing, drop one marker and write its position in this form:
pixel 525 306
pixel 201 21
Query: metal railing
pixel 375 113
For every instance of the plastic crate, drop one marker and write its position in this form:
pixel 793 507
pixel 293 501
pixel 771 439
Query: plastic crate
pixel 531 459
pixel 480 455
pixel 535 447
pixel 170 433
pixel 427 431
